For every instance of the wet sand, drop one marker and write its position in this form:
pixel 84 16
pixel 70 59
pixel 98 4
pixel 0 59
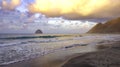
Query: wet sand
pixel 55 59
pixel 107 57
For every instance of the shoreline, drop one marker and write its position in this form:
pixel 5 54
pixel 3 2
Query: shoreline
pixel 108 56
pixel 55 59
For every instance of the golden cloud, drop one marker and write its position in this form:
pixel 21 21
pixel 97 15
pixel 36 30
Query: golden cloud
pixel 74 8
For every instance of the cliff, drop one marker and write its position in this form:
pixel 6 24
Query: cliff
pixel 112 26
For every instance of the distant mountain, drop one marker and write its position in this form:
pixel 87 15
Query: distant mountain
pixel 112 26
pixel 38 31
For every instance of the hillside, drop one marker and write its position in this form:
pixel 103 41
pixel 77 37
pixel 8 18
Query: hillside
pixel 112 26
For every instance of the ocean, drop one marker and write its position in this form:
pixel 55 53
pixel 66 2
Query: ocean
pixel 14 48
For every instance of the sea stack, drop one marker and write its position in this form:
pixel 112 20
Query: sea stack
pixel 38 31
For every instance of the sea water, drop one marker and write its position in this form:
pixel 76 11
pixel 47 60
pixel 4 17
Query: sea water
pixel 14 48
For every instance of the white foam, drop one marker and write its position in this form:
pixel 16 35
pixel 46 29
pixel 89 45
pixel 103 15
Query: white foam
pixel 19 52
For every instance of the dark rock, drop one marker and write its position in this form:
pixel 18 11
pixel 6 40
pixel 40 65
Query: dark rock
pixel 69 46
pixel 38 32
pixel 84 44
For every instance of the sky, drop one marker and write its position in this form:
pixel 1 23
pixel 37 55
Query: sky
pixel 55 16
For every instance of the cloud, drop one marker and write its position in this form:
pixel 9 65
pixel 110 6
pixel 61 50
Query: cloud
pixel 10 4
pixel 68 9
pixel 76 9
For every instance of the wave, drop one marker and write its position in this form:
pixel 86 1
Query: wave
pixel 29 37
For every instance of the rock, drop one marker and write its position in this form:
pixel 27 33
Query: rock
pixel 38 31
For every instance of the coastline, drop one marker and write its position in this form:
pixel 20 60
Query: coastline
pixel 108 56
pixel 55 59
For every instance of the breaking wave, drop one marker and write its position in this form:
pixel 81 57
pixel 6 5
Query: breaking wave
pixel 30 37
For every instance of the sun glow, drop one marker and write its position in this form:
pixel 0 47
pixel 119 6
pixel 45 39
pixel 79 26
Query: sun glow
pixel 82 7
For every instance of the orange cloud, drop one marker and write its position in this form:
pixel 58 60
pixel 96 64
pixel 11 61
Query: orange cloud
pixel 10 5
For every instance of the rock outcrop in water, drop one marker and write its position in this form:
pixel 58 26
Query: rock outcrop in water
pixel 112 26
pixel 38 31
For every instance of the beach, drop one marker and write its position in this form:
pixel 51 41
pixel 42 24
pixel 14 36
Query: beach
pixel 70 49
pixel 55 59
pixel 61 57
pixel 106 57
pixel 59 33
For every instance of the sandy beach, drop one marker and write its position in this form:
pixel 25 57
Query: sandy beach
pixel 55 59
pixel 60 57
pixel 108 56
pixel 63 57
pixel 59 33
